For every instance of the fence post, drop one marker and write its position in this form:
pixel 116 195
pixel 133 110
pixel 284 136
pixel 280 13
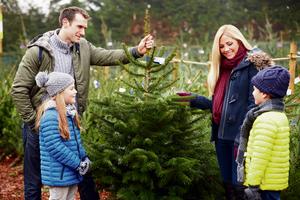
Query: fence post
pixel 106 72
pixel 176 66
pixel 292 65
pixel 1 29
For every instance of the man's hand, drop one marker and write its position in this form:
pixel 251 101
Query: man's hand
pixel 145 44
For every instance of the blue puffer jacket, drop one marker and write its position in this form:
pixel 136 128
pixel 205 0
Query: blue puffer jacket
pixel 59 157
pixel 237 101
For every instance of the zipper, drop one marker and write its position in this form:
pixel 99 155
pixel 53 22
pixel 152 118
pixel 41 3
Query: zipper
pixel 75 137
pixel 72 121
pixel 62 173
pixel 78 176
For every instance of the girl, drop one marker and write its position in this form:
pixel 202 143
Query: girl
pixel 63 158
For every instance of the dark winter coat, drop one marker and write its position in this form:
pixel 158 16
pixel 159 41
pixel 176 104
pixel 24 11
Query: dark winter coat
pixel 238 101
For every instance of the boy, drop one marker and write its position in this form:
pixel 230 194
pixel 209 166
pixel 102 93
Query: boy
pixel 265 137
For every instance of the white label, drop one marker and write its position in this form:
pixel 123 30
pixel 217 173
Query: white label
pixel 159 60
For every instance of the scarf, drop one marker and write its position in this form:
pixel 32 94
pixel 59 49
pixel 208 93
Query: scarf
pixel 71 108
pixel 275 104
pixel 225 71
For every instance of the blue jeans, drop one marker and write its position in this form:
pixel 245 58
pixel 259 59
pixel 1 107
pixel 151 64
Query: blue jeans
pixel 270 195
pixel 32 170
pixel 226 160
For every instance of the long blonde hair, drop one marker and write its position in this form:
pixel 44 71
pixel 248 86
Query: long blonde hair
pixel 62 116
pixel 234 33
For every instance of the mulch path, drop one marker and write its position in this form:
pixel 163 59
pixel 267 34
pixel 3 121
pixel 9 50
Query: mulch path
pixel 11 181
pixel 11 184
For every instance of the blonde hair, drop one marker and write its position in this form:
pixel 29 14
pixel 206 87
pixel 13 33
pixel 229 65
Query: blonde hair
pixel 234 33
pixel 62 116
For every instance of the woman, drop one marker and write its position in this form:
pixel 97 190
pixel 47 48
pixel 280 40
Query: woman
pixel 229 83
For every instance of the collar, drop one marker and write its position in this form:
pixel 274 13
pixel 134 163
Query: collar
pixel 244 63
pixel 59 44
pixel 43 40
pixel 274 104
pixel 50 104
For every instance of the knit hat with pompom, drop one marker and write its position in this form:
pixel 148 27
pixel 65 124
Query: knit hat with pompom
pixel 54 82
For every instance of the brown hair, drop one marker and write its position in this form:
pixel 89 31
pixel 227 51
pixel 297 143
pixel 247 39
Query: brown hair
pixel 62 117
pixel 69 14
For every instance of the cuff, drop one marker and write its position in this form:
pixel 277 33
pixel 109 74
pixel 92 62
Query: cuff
pixel 84 157
pixel 135 53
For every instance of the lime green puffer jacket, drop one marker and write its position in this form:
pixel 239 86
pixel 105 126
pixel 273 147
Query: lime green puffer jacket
pixel 267 156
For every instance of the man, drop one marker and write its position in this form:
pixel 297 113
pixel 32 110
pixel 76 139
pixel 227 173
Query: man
pixel 49 52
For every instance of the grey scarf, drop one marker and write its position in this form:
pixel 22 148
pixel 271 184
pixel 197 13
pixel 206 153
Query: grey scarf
pixel 275 104
pixel 71 108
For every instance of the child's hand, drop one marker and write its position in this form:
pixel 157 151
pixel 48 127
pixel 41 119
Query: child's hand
pixel 252 193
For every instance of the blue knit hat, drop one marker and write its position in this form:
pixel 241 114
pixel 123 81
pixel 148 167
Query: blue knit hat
pixel 54 82
pixel 273 81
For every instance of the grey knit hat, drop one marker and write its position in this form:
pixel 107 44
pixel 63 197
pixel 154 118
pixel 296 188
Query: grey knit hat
pixel 272 80
pixel 54 82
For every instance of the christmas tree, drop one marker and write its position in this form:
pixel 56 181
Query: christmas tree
pixel 147 146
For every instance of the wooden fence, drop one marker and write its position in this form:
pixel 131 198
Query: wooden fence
pixel 292 57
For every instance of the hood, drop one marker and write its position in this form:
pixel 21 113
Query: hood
pixel 42 40
pixel 260 59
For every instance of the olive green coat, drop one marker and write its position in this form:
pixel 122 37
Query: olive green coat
pixel 27 95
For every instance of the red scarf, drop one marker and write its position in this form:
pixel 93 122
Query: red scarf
pixel 225 71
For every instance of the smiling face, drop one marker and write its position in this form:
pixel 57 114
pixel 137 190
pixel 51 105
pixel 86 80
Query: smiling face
pixel 69 94
pixel 228 46
pixel 72 31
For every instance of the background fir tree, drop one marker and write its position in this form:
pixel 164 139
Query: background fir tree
pixel 292 110
pixel 147 147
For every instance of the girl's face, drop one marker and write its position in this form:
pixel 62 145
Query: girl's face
pixel 228 46
pixel 259 97
pixel 69 94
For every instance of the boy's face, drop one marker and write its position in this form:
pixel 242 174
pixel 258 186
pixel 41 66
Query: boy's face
pixel 259 97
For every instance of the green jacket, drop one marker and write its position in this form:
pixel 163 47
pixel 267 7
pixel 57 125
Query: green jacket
pixel 27 95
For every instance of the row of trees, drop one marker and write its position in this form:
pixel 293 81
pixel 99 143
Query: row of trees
pixel 194 20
